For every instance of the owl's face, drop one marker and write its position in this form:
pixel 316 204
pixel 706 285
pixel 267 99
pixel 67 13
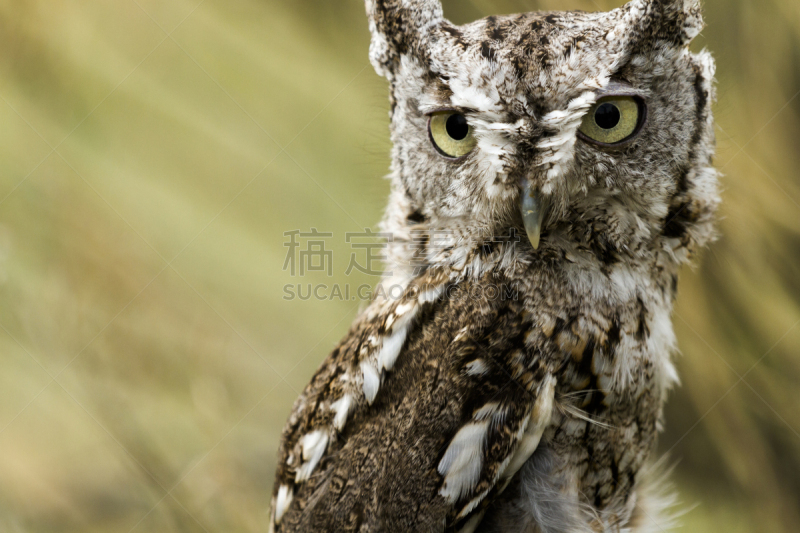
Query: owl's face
pixel 592 130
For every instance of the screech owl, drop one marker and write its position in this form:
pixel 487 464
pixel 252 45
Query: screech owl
pixel 551 172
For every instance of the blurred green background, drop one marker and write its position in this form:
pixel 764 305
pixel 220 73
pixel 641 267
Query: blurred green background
pixel 152 154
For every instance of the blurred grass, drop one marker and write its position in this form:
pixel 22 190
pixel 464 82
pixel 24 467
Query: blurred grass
pixel 151 158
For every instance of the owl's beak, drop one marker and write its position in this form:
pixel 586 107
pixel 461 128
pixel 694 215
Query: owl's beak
pixel 533 210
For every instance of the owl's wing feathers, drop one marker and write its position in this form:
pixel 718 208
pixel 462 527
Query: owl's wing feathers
pixel 432 438
pixel 488 450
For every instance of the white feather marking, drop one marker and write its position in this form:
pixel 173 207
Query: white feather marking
pixel 486 411
pixel 625 280
pixel 309 442
pixel 392 344
pixel 431 295
pixel 391 349
pixel 477 367
pixel 466 95
pixel 282 502
pixel 372 381
pixel 313 445
pixel 539 420
pixel 405 319
pixel 461 464
pixel 404 308
pixel 342 409
pixel 473 503
pixel 661 335
pixel 557 150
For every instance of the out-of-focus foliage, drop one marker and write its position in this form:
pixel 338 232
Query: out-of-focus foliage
pixel 152 155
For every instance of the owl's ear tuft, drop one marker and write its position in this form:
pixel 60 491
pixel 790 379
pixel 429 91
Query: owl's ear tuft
pixel 399 27
pixel 683 20
pixel 677 21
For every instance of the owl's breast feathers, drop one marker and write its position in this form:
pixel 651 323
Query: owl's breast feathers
pixel 421 416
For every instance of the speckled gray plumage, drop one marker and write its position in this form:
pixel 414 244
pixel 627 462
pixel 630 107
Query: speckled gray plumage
pixel 535 409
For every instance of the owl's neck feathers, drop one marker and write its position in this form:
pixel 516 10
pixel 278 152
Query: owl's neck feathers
pixel 592 243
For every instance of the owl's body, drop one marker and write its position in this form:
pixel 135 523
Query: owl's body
pixel 507 384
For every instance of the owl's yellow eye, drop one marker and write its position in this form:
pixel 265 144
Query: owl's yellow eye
pixel 451 134
pixel 612 119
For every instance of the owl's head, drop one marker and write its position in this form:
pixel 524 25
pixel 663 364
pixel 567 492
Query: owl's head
pixel 589 132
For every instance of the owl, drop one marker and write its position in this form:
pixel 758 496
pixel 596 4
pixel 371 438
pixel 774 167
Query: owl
pixel 551 172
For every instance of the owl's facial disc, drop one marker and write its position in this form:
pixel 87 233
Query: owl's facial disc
pixel 591 131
